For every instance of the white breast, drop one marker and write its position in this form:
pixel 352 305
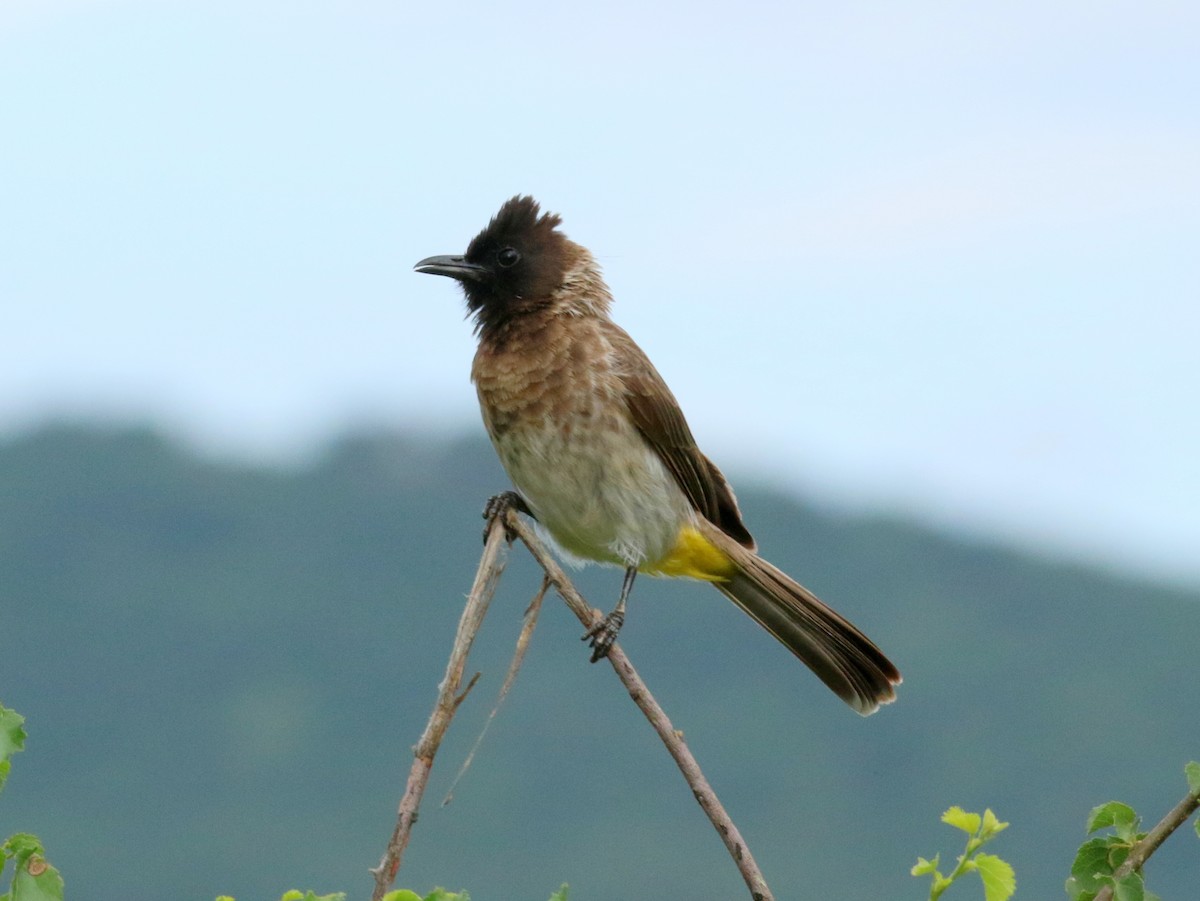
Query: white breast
pixel 597 488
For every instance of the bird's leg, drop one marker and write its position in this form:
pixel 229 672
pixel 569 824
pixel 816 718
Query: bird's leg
pixel 604 633
pixel 498 505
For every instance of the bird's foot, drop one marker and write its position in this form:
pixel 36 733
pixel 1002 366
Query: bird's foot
pixel 496 508
pixel 604 633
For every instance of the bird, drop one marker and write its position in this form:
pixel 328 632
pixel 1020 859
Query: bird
pixel 602 457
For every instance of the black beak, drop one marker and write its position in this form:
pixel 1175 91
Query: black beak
pixel 455 267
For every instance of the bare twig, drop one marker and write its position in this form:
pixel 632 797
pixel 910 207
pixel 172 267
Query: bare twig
pixel 527 627
pixel 1141 852
pixel 637 689
pixel 491 565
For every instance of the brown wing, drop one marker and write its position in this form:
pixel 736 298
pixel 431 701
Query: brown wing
pixel 658 417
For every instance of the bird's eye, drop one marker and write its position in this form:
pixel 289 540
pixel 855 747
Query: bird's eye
pixel 508 257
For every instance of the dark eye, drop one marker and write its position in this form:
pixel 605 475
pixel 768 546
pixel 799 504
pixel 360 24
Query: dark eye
pixel 508 257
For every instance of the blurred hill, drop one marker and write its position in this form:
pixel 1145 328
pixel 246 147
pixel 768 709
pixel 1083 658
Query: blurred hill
pixel 224 667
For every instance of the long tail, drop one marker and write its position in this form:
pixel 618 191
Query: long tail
pixel 828 644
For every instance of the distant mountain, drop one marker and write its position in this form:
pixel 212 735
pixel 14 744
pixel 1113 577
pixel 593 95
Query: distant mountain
pixel 224 668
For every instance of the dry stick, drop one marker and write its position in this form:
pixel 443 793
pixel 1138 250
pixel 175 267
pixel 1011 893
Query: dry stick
pixel 527 627
pixel 1142 850
pixel 637 689
pixel 491 565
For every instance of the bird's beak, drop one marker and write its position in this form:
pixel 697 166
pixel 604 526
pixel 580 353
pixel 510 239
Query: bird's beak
pixel 455 267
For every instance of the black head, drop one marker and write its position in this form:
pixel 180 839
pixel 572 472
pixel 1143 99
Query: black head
pixel 512 266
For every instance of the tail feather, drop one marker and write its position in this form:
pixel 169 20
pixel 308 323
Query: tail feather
pixel 828 644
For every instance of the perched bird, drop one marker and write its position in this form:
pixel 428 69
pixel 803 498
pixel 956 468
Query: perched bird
pixel 602 457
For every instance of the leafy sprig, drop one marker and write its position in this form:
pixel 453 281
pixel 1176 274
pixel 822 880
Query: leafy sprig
pixel 1109 866
pixel 999 881
pixel 33 877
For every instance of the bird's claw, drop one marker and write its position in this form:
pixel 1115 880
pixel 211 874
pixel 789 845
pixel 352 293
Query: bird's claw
pixel 497 506
pixel 603 634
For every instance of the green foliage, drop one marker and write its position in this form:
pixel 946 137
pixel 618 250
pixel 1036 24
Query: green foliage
pixel 999 881
pixel 440 894
pixel 33 877
pixel 403 894
pixel 12 739
pixel 1192 771
pixel 1098 858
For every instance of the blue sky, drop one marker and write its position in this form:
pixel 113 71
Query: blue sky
pixel 927 257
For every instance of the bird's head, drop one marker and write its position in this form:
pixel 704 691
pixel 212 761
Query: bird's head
pixel 520 263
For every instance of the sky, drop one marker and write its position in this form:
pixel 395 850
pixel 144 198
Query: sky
pixel 935 259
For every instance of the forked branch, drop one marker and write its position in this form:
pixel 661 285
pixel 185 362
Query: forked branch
pixel 504 523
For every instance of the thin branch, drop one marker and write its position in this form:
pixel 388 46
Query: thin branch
pixel 637 689
pixel 1141 852
pixel 491 565
pixel 514 667
pixel 502 528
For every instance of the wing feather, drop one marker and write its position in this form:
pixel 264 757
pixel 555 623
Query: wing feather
pixel 658 418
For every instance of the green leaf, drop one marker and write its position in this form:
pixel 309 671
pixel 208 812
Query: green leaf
pixel 1192 771
pixel 12 739
pixel 561 894
pixel 999 880
pixel 12 736
pixel 923 867
pixel 1120 816
pixel 440 894
pixel 1130 888
pixel 403 894
pixel 1092 864
pixel 37 881
pixel 960 819
pixel 1076 892
pixel 991 825
pixel 20 846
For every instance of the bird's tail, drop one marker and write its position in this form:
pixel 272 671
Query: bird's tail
pixel 844 659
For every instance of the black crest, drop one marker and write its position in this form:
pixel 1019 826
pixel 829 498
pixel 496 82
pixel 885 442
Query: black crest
pixel 523 258
pixel 520 219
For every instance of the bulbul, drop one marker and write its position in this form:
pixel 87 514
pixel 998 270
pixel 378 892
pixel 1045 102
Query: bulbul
pixel 602 456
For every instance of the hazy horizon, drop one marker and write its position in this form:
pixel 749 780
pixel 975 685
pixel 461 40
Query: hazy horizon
pixel 430 434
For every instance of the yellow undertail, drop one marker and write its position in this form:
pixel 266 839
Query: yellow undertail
pixel 693 557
